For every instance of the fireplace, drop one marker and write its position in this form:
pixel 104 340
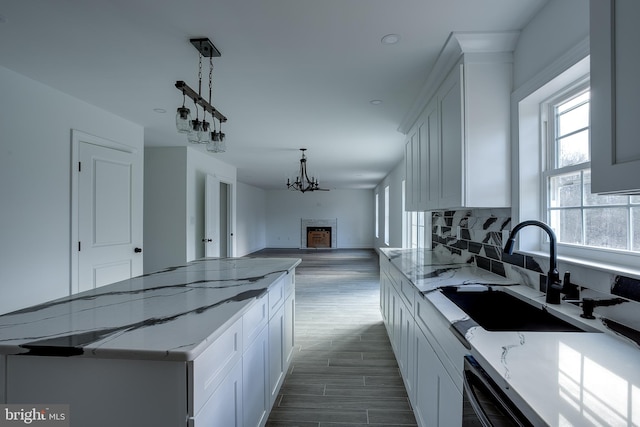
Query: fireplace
pixel 318 237
pixel 319 233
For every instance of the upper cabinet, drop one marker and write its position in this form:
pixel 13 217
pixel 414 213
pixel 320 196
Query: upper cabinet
pixel 458 145
pixel 615 96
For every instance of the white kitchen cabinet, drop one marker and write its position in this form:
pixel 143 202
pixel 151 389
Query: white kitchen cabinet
pixel 277 362
pixel 405 355
pixel 474 143
pixel 224 407
pixel 429 356
pixel 416 174
pixel 289 327
pixel 281 333
pixel 615 96
pixel 255 381
pixel 458 148
pixel 438 402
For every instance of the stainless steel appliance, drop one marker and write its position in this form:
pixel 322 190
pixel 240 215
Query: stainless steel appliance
pixel 484 403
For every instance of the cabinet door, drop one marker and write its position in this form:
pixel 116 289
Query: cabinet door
pixel 277 361
pixel 615 95
pixel 449 400
pixel 405 346
pixel 224 408
pixel 425 403
pixel 408 174
pixel 451 170
pixel 432 161
pixel 438 402
pixel 289 328
pixel 255 381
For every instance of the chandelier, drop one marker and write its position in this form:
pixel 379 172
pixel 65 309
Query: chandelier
pixel 199 131
pixel 303 183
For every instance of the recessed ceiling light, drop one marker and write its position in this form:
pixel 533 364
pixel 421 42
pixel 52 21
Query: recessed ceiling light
pixel 390 39
pixel 160 110
pixel 375 102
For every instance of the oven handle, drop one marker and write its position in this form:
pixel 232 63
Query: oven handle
pixel 473 400
pixel 474 372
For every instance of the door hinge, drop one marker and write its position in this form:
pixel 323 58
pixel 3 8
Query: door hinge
pixel 79 166
pixel 79 246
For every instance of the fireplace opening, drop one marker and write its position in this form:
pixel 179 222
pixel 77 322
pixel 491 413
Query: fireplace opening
pixel 318 237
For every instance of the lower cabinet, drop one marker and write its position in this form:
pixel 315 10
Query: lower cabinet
pixel 231 383
pixel 437 401
pixel 255 382
pixel 419 349
pixel 225 407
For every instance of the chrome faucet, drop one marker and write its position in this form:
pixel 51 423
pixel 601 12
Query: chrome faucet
pixel 554 286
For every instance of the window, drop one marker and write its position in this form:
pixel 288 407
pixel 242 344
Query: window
pixel 417 230
pixel 386 215
pixel 610 222
pixel 406 218
pixel 377 219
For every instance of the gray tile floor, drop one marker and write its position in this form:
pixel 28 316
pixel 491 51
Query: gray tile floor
pixel 344 372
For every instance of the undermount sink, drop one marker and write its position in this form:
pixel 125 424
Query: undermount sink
pixel 496 310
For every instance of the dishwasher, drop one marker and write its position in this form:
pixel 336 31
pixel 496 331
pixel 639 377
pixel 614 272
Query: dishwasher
pixel 484 402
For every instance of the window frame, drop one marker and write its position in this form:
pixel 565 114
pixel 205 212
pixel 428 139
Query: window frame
pixel 530 159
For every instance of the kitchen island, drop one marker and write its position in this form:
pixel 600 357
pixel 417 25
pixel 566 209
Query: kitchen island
pixel 555 378
pixel 207 342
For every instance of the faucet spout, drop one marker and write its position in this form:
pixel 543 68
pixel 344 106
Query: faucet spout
pixel 553 278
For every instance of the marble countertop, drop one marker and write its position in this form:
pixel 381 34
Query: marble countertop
pixel 557 378
pixel 429 270
pixel 172 314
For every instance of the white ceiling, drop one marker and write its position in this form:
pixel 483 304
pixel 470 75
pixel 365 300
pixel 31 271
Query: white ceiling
pixel 293 73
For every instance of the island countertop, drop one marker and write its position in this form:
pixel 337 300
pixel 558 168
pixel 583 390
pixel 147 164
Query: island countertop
pixel 172 314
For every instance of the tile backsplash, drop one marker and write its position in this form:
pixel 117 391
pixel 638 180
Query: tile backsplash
pixel 478 235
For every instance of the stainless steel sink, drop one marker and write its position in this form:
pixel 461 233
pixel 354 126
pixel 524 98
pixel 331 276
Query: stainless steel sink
pixel 496 310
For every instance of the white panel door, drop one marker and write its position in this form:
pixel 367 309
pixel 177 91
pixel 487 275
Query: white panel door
pixel 109 243
pixel 211 237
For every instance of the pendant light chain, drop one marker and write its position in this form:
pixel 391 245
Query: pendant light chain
pixel 200 75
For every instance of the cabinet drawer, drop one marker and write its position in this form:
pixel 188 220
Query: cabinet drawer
pixel 254 320
pixel 289 283
pixel 277 295
pixel 209 369
pixel 407 292
pixel 405 289
pixel 385 264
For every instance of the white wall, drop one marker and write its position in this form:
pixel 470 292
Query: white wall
pixel 174 203
pixel 557 28
pixel 199 164
pixel 352 208
pixel 251 219
pixel 35 184
pixel 396 209
pixel 165 207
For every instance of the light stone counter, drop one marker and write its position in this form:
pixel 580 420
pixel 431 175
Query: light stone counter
pixel 170 315
pixel 557 378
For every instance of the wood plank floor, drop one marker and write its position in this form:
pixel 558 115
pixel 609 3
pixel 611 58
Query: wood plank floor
pixel 344 372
